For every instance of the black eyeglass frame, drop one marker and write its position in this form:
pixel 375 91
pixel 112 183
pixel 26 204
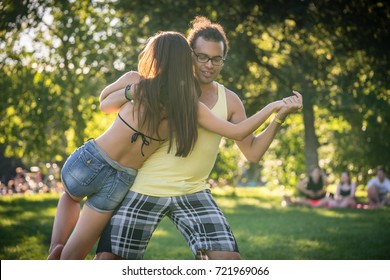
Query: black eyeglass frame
pixel 215 63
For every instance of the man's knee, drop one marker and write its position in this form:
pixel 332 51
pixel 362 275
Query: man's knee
pixel 372 192
pixel 223 255
pixel 106 256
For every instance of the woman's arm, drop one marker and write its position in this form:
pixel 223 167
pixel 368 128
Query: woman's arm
pixel 238 131
pixel 253 146
pixel 302 187
pixel 112 96
pixel 113 102
pixel 337 195
pixel 353 190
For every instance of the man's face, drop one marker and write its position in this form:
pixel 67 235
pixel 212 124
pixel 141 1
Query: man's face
pixel 207 72
pixel 381 175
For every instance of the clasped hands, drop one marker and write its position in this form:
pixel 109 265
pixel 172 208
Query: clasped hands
pixel 289 105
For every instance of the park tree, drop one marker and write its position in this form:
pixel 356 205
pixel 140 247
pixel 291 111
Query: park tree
pixel 56 58
pixel 331 51
pixel 327 50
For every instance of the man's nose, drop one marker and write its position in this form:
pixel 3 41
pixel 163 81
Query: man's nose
pixel 209 64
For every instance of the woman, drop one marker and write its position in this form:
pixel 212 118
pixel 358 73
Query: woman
pixel 345 194
pixel 163 106
pixel 313 187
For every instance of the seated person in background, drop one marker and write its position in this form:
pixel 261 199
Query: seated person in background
pixel 313 187
pixel 378 189
pixel 345 194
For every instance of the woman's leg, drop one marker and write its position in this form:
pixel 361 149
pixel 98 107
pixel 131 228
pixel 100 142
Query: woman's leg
pixel 348 202
pixel 68 211
pixel 86 233
pixel 323 203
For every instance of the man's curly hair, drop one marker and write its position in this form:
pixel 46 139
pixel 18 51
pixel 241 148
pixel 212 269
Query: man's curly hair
pixel 203 27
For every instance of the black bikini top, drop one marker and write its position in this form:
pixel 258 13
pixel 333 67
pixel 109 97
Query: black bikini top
pixel 145 139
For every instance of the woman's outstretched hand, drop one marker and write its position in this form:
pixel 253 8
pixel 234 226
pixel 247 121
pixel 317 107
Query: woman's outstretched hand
pixel 292 104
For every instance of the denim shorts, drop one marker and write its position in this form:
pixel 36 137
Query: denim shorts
pixel 89 172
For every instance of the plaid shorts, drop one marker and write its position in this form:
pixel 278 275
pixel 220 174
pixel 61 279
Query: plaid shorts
pixel 196 216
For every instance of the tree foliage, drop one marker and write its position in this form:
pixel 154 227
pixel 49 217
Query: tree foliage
pixel 56 56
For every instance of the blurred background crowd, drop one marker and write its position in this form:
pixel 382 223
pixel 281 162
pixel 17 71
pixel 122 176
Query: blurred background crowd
pixel 32 180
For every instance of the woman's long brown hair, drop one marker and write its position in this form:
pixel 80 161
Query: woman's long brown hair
pixel 168 89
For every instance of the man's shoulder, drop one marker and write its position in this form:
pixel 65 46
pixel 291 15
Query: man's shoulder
pixel 227 90
pixel 231 96
pixel 235 107
pixel 372 181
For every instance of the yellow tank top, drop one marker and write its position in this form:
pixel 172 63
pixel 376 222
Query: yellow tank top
pixel 164 174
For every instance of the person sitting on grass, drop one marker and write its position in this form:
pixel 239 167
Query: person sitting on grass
pixel 378 189
pixel 345 194
pixel 312 188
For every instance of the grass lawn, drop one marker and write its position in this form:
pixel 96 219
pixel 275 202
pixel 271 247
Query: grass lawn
pixel 263 229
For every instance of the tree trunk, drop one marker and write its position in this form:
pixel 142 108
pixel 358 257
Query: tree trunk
pixel 8 166
pixel 311 139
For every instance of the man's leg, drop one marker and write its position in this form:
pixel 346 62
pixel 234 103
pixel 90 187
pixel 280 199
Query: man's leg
pixel 373 196
pixel 204 226
pixel 131 226
pixel 386 202
pixel 106 256
pixel 223 255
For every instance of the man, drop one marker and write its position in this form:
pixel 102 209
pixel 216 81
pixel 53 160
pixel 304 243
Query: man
pixel 176 187
pixel 378 189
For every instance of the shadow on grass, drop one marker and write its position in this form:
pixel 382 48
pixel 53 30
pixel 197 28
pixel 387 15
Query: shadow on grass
pixel 263 230
pixel 25 227
pixel 303 233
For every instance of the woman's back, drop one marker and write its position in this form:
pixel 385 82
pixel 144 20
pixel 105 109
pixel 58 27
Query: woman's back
pixel 116 141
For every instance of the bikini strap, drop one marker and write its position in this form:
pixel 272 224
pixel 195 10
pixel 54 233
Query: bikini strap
pixel 145 139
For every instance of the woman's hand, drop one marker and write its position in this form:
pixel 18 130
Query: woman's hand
pixel 291 105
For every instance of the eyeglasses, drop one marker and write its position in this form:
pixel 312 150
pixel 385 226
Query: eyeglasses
pixel 203 58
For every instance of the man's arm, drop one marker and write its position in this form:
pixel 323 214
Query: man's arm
pixel 254 147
